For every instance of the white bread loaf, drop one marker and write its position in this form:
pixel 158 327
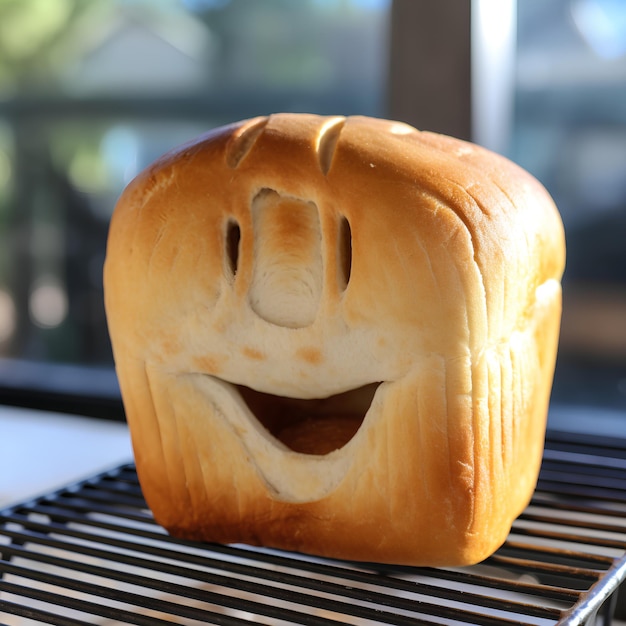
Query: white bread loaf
pixel 336 336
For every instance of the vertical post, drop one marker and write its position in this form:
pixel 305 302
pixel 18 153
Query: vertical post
pixel 494 41
pixel 430 65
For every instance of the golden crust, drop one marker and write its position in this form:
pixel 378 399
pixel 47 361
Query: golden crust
pixel 448 295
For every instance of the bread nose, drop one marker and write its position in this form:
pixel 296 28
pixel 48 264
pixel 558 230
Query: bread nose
pixel 287 277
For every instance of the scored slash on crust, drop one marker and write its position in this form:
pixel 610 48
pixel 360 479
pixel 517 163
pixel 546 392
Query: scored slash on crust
pixel 244 140
pixel 327 142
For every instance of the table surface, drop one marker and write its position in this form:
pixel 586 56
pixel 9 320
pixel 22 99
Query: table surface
pixel 41 451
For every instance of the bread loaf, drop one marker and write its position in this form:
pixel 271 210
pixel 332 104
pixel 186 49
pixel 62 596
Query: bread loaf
pixel 336 336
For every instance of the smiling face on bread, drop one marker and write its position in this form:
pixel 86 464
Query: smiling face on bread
pixel 307 289
pixel 302 290
pixel 286 317
pixel 299 275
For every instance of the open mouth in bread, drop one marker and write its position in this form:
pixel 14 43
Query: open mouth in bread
pixel 317 426
pixel 300 448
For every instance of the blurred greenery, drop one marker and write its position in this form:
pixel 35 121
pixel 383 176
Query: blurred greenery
pixel 31 34
pixel 269 43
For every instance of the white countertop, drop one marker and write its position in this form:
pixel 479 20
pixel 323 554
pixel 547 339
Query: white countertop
pixel 41 451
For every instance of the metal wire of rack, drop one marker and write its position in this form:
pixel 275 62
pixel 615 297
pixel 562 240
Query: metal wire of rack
pixel 92 554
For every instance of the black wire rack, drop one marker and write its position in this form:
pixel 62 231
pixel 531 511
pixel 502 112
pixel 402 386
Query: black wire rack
pixel 92 554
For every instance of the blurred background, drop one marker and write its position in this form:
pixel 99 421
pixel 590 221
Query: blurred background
pixel 91 91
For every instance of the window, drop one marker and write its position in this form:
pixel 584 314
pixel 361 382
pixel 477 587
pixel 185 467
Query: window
pixel 90 93
pixel 569 129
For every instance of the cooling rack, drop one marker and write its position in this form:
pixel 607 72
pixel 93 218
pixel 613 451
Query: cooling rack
pixel 91 554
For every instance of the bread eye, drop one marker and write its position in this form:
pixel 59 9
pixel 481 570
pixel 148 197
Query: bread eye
pixel 345 252
pixel 233 236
